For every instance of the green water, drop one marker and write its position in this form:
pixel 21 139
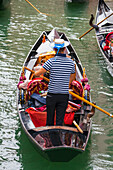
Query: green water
pixel 20 26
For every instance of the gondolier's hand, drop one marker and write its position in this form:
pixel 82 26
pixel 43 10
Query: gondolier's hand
pixel 44 94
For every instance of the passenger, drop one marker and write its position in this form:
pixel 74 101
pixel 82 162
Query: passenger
pixel 62 73
pixel 111 47
pixel 23 83
pixel 109 44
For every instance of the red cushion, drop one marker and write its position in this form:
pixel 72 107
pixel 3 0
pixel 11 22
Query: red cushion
pixel 106 48
pixel 68 118
pixel 38 117
pixel 109 36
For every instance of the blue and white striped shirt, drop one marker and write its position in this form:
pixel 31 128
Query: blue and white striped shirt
pixel 60 69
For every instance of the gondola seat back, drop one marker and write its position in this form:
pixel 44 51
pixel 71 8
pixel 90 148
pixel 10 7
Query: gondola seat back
pixel 35 86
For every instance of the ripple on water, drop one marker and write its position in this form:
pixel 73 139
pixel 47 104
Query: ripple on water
pixel 97 129
pixel 102 161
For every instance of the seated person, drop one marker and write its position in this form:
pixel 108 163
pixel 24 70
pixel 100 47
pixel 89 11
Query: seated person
pixel 23 83
pixel 111 47
pixel 109 43
pixel 77 89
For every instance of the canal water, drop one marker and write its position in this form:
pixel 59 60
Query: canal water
pixel 20 26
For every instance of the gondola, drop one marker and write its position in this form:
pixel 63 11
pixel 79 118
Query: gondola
pixel 105 32
pixel 55 143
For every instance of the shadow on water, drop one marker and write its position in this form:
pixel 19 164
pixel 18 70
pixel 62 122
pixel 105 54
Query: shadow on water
pixel 75 9
pixel 4 25
pixel 31 159
pixel 4 22
pixel 4 4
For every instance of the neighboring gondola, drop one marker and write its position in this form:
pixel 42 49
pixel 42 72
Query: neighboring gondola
pixel 104 33
pixel 56 143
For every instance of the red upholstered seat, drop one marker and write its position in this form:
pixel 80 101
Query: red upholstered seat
pixel 108 38
pixel 36 86
pixel 106 48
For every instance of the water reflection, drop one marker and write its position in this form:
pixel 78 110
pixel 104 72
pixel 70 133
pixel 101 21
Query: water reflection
pixel 4 4
pixel 28 155
pixel 75 9
pixel 4 21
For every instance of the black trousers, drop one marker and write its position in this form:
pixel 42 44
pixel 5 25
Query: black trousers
pixel 59 103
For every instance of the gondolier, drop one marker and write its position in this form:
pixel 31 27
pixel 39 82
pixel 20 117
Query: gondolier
pixel 62 73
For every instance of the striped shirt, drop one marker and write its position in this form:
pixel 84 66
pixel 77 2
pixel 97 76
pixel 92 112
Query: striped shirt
pixel 60 68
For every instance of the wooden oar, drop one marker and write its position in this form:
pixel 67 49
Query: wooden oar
pixel 29 69
pixel 93 27
pixel 78 127
pixel 37 9
pixel 77 96
pixel 86 101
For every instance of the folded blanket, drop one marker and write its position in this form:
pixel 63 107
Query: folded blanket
pixel 39 98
